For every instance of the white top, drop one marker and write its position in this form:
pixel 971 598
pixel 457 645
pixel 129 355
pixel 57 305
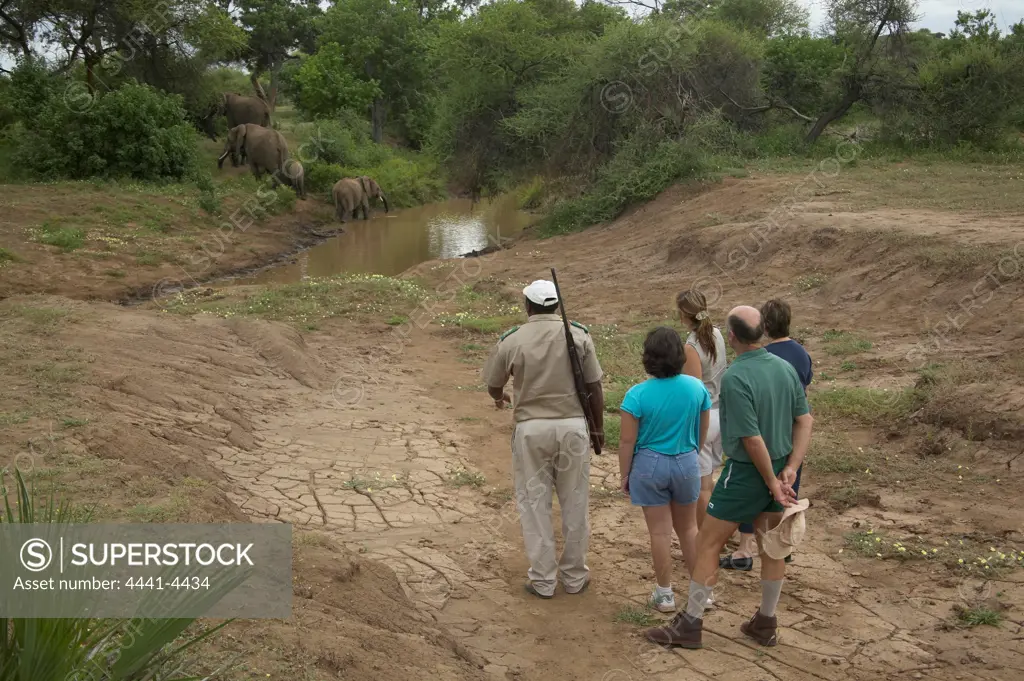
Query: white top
pixel 711 371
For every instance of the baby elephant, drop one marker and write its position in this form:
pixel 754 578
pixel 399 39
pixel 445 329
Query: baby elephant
pixel 352 194
pixel 295 177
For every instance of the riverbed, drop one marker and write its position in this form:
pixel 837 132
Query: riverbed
pixel 392 243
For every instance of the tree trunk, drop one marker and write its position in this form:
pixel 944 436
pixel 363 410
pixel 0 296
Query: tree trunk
pixel 836 112
pixel 275 76
pixel 377 117
pixel 254 78
pixel 90 74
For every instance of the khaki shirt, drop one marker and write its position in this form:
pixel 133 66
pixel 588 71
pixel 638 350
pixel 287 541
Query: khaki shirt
pixel 537 357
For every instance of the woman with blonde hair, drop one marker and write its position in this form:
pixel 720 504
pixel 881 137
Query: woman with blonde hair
pixel 705 360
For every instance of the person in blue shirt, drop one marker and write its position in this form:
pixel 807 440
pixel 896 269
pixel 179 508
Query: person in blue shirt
pixel 776 316
pixel 664 424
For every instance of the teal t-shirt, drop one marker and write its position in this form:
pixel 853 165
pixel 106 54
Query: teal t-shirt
pixel 668 410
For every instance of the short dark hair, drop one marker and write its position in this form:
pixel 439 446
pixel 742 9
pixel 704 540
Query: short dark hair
pixel 663 353
pixel 533 308
pixel 775 317
pixel 744 332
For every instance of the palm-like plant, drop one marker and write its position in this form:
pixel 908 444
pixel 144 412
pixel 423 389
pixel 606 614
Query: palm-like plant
pixel 84 649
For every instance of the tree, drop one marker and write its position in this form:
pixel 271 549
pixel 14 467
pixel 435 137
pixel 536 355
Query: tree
pixel 979 26
pixel 386 42
pixel 325 85
pixel 859 25
pixel 276 28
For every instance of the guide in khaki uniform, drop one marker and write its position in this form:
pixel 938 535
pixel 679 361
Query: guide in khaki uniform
pixel 550 442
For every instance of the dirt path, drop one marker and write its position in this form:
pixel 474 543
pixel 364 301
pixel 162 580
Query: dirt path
pixel 403 461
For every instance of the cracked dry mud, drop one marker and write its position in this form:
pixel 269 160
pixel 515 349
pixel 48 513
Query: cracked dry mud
pixel 377 475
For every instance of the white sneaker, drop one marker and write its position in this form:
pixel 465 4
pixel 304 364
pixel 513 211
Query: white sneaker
pixel 666 603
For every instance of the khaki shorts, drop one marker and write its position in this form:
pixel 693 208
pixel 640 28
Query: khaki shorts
pixel 710 456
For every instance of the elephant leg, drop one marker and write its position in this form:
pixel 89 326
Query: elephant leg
pixel 365 205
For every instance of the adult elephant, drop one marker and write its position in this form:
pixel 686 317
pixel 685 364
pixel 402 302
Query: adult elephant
pixel 352 194
pixel 264 149
pixel 240 110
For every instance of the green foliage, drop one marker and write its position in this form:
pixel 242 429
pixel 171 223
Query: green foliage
pixel 325 85
pixel 65 238
pixel 765 17
pixel 531 195
pixel 344 149
pixel 801 70
pixel 134 131
pixel 83 648
pixel 641 169
pixel 383 44
pixel 970 95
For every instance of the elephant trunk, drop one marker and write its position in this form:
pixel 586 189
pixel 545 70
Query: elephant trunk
pixel 220 159
pixel 385 200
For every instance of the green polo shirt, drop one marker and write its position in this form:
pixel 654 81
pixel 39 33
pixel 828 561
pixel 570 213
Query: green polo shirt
pixel 761 395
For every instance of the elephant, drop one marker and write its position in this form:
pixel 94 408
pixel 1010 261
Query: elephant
pixel 352 194
pixel 295 175
pixel 264 149
pixel 240 110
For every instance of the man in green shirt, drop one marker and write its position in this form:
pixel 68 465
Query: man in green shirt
pixel 766 428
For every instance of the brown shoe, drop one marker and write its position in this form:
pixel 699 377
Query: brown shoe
pixel 682 631
pixel 762 629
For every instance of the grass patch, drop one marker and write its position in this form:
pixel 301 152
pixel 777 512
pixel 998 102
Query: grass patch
pixel 149 258
pixel 483 325
pixel 116 274
pixel 73 423
pixel 375 482
pixel 972 617
pixel 460 477
pixel 307 302
pixel 849 494
pixel 8 256
pixel 612 425
pixel 65 238
pixel 396 320
pixel 811 281
pixel 13 419
pixel 841 343
pixel 47 318
pixel 848 366
pixel 637 615
pixel 868 405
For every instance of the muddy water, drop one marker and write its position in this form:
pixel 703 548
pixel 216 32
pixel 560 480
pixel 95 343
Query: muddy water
pixel 392 243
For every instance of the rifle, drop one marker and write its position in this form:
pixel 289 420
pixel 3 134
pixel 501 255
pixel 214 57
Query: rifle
pixel 577 372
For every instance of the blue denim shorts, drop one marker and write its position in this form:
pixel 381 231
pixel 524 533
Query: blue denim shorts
pixel 656 479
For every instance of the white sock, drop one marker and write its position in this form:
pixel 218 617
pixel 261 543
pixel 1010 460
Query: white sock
pixel 663 590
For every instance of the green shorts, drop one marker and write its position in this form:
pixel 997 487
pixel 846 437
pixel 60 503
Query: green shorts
pixel 741 495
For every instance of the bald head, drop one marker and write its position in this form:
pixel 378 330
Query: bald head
pixel 745 325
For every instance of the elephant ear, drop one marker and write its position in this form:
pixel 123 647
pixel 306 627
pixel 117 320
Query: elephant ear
pixel 363 183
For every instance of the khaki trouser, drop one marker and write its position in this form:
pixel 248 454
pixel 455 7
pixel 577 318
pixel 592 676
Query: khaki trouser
pixel 547 455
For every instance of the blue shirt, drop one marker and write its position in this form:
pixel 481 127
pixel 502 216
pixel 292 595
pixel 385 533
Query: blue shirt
pixel 794 353
pixel 668 410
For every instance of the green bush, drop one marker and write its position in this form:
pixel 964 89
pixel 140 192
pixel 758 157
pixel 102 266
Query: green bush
pixel 971 95
pixel 65 238
pixel 134 131
pixel 320 177
pixel 81 648
pixel 531 196
pixel 637 173
pixel 343 148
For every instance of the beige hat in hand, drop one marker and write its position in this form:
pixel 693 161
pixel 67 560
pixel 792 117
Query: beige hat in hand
pixel 780 541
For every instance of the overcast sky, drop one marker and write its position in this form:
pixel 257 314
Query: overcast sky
pixel 939 15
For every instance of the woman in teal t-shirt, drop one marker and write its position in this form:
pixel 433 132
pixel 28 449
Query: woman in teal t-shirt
pixel 664 424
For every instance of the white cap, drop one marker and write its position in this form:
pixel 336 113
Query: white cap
pixel 541 292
